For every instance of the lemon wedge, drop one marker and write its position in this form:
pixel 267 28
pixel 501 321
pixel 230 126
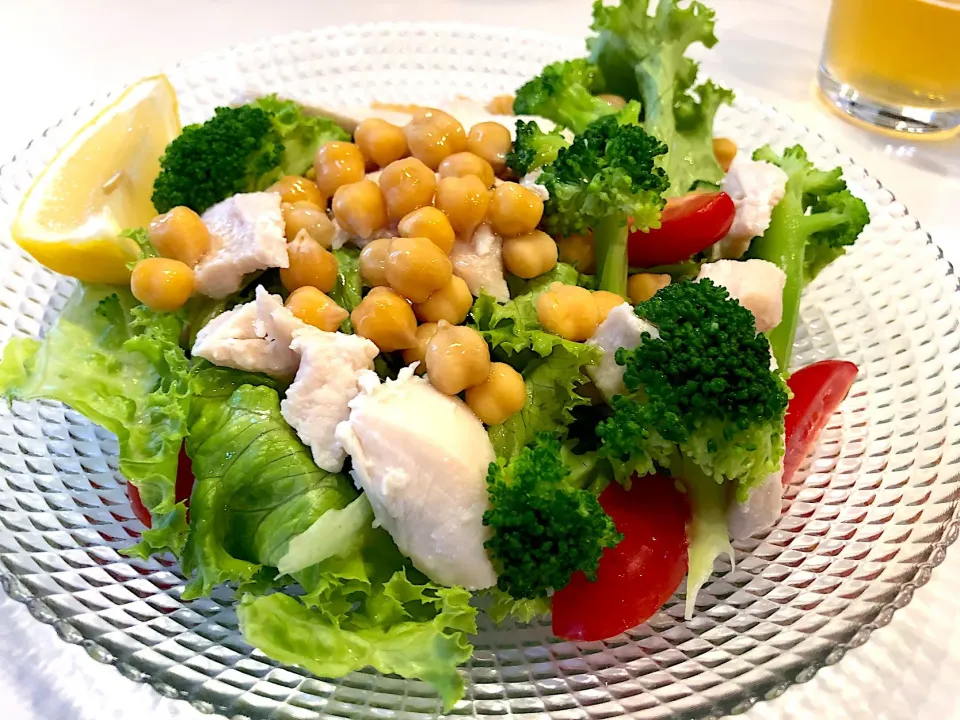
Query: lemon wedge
pixel 99 184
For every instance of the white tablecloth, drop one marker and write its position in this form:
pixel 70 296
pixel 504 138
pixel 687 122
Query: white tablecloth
pixel 58 54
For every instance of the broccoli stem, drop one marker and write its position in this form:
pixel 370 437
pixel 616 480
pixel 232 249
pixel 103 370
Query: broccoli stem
pixel 610 237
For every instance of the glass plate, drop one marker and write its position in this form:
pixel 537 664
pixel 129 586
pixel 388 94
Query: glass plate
pixel 862 527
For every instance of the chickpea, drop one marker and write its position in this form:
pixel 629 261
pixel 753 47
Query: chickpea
pixel 162 284
pixel 430 223
pixel 452 303
pixel 724 150
pixel 336 164
pixel 416 268
pixel 501 105
pixel 311 265
pixel 514 210
pixel 614 101
pixel 304 215
pixel 293 188
pixel 498 397
pixel 568 311
pixel 577 250
pixel 529 255
pixel 465 201
pixel 434 136
pixel 406 185
pixel 417 352
pixel 606 301
pixel 457 357
pixel 373 261
pixel 386 319
pixel 180 234
pixel 314 307
pixel 359 208
pixel 380 142
pixel 644 286
pixel 490 141
pixel 466 163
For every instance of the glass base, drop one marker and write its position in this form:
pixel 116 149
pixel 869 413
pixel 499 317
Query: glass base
pixel 900 118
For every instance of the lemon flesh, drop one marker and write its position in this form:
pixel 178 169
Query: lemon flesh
pixel 100 184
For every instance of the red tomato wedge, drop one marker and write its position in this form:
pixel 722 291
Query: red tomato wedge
pixel 688 225
pixel 639 575
pixel 182 490
pixel 817 391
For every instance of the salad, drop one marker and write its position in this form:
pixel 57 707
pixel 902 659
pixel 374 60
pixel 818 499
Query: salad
pixel 376 368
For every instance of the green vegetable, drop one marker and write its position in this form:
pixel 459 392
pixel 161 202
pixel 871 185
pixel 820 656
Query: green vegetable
pixel 534 148
pixel 142 239
pixel 707 534
pixel 414 630
pixel 544 528
pixel 502 606
pixel 605 181
pixel 705 385
pixel 642 57
pixel 563 93
pixel 348 292
pixel 120 366
pixel 814 223
pixel 238 150
pixel 336 532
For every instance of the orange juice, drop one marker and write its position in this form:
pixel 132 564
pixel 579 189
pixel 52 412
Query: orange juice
pixel 900 52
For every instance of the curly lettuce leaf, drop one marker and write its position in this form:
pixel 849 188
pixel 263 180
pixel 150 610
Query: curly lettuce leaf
pixel 348 291
pixel 335 533
pixel 503 606
pixel 119 365
pixel 301 134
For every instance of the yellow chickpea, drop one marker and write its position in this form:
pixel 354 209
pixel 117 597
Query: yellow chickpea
pixel 606 301
pixel 305 215
pixel 434 136
pixel 452 303
pixel 457 357
pixel 373 261
pixel 529 255
pixel 490 141
pixel 466 163
pixel 407 185
pixel 614 101
pixel 380 142
pixel 644 286
pixel 577 250
pixel 416 268
pixel 568 311
pixel 501 105
pixel 180 234
pixel 498 397
pixel 430 223
pixel 465 201
pixel 293 188
pixel 386 319
pixel 162 284
pixel 359 208
pixel 724 150
pixel 336 164
pixel 514 209
pixel 314 307
pixel 416 354
pixel 311 265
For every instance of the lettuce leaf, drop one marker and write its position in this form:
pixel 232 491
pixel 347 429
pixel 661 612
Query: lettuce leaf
pixel 335 533
pixel 302 134
pixel 503 606
pixel 119 365
pixel 348 291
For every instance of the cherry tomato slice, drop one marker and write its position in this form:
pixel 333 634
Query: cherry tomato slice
pixel 688 225
pixel 639 575
pixel 182 490
pixel 817 391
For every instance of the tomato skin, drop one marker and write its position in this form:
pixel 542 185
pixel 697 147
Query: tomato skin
pixel 182 490
pixel 639 575
pixel 818 390
pixel 688 225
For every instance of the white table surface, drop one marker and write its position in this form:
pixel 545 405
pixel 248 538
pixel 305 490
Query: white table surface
pixel 58 54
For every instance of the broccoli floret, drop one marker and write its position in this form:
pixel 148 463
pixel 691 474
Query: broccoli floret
pixel 814 223
pixel 545 527
pixel 704 384
pixel 604 181
pixel 563 93
pixel 239 149
pixel 533 148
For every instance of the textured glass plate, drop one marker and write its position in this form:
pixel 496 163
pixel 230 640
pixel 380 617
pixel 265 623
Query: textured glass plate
pixel 862 527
